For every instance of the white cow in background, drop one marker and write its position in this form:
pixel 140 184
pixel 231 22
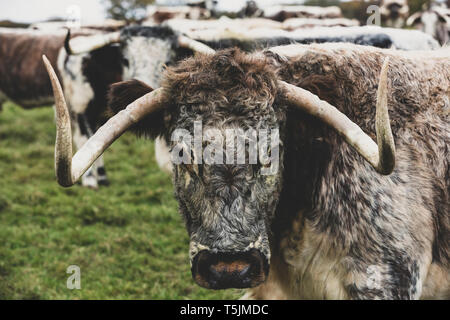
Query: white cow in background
pixel 434 21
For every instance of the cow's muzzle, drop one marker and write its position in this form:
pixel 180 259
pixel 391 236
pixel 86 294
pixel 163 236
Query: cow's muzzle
pixel 223 270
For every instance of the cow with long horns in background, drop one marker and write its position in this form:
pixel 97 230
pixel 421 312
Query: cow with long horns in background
pixel 343 216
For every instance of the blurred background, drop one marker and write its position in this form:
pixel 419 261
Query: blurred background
pixel 128 239
pixel 25 12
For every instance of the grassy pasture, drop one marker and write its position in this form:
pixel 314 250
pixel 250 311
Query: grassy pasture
pixel 128 239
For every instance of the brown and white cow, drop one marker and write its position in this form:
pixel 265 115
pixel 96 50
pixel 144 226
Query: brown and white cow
pixel 342 217
pixel 23 78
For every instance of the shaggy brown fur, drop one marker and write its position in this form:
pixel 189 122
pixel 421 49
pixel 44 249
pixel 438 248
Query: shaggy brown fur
pixel 335 227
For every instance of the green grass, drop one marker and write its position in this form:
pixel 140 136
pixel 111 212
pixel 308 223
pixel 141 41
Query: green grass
pixel 128 239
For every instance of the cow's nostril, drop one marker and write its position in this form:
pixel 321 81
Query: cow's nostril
pixel 229 270
pixel 244 271
pixel 214 273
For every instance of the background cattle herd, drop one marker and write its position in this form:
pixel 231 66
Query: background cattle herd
pixel 88 60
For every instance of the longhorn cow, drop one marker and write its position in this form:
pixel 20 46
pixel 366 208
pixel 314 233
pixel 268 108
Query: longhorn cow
pixel 344 216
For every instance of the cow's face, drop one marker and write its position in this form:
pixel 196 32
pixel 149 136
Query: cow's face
pixel 227 204
pixel 146 50
pixel 227 208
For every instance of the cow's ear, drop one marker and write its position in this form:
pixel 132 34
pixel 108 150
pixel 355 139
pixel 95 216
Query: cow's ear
pixel 121 94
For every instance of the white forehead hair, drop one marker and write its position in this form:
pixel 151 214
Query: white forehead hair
pixel 146 59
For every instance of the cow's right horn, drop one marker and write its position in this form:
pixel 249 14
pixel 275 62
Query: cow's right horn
pixel 68 169
pixel 84 44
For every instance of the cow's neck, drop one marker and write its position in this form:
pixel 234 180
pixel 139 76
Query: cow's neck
pixel 298 246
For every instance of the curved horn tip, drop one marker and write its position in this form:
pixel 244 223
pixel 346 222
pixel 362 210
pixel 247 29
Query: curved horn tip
pixel 385 139
pixel 45 59
pixel 63 144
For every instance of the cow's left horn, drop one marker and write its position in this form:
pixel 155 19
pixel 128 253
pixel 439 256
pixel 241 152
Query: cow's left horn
pixel 84 44
pixel 381 156
pixel 68 169
pixel 194 45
